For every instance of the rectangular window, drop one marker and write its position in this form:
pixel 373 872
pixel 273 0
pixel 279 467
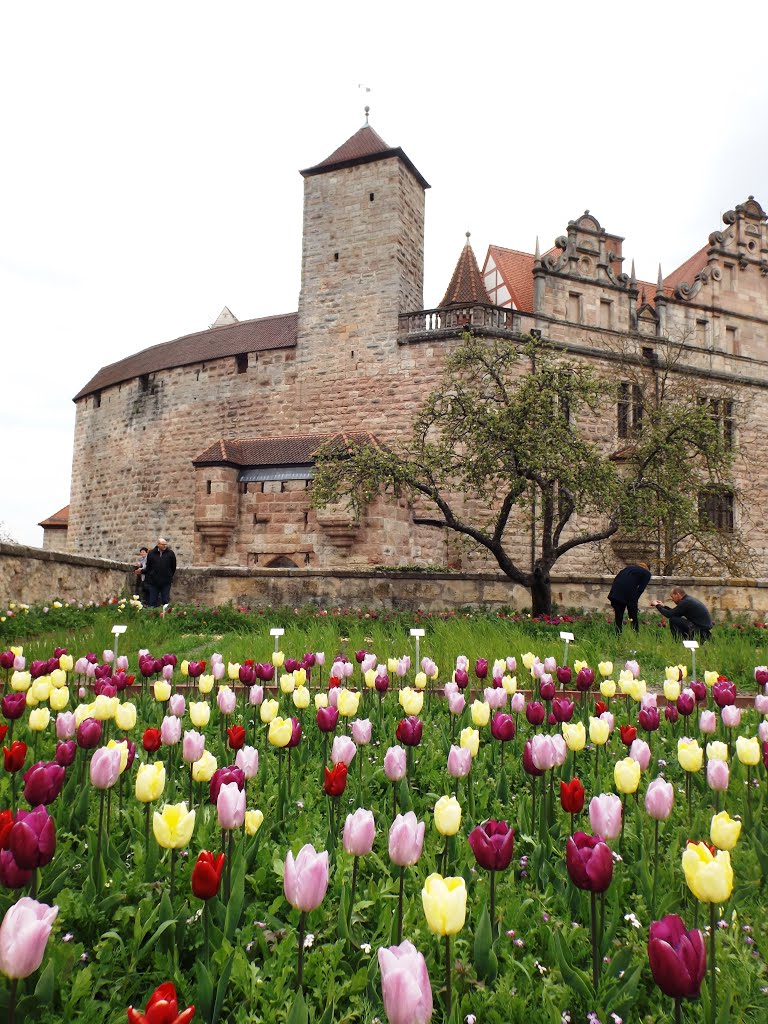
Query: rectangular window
pixel 241 362
pixel 722 414
pixel 606 313
pixel 716 508
pixel 143 383
pixel 574 307
pixel 701 332
pixel 629 410
pixel 731 341
pixel 97 400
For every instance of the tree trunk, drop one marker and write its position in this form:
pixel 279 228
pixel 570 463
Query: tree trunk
pixel 541 592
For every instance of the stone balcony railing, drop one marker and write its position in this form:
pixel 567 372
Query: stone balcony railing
pixel 476 316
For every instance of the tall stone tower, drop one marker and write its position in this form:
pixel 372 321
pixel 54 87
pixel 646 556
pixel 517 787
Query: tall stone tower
pixel 362 258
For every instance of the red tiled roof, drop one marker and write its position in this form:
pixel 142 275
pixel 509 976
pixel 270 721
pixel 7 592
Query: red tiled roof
pixel 58 521
pixel 467 281
pixel 290 450
pixel 232 339
pixel 364 147
pixel 646 293
pixel 687 271
pixel 516 268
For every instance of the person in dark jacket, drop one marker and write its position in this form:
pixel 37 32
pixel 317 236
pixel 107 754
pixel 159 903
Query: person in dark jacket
pixel 688 619
pixel 625 593
pixel 158 573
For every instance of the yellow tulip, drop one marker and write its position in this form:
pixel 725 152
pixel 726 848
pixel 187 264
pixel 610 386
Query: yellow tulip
pixel 509 684
pixel 608 688
pixel 420 680
pixel 625 678
pixel 671 690
pixel 445 904
pixel 348 703
pixel 39 719
pixel 205 684
pixel 579 665
pixel 184 668
pixel 710 878
pixel 82 711
pixel 321 701
pixel 173 827
pixel 103 708
pixel 605 668
pixel 268 710
pixel 300 677
pixel 59 698
pixel 202 770
pixel 31 701
pixel 689 754
pixel 199 713
pixel 21 681
pixel 41 689
pixel 370 678
pixel 575 735
pixel 447 815
pixel 717 751
pixel 66 662
pixel 301 697
pixel 725 830
pixel 17 651
pixel 253 820
pixel 481 712
pixel 626 775
pixel 123 745
pixel 748 750
pixel 278 658
pixel 280 731
pixel 528 659
pixel 150 782
pixel 391 665
pixel 598 731
pixel 672 672
pixel 233 669
pixel 470 738
pixel 435 674
pixel 58 677
pixel 125 716
pixel 287 682
pixel 411 701
pixel 162 690
pixel 710 678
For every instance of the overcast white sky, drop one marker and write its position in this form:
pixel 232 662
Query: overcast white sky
pixel 151 154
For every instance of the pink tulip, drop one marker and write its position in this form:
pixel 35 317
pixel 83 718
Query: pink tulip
pixel 406 839
pixel 361 731
pixel 550 665
pixel 459 762
pixel 633 667
pixel 105 767
pixel 320 657
pixel 403 665
pixel 177 705
pixel 517 704
pixel 218 670
pixel 659 798
pixel 333 697
pixel 395 764
pixel 718 775
pixel 226 700
pixel 560 748
pixel 462 663
pixel 405 986
pixel 761 704
pixel 247 760
pixel 495 697
pixel 170 731
pixel 24 935
pixel 108 657
pixel 368 662
pixel 456 703
pixel 193 746
pixel 537 669
pixel 731 716
pixel 256 695
pixel 359 833
pixel 230 806
pixel 65 725
pixel 542 752
pixel 640 751
pixel 605 815
pixel 762 732
pixel 708 722
pixel 511 664
pixel 649 700
pixel 305 879
pixel 81 666
pixel 343 750
pixel 607 716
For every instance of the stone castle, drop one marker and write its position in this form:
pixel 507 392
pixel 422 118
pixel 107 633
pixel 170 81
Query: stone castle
pixel 209 439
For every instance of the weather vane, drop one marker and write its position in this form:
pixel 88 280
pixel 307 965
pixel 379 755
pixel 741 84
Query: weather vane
pixel 365 88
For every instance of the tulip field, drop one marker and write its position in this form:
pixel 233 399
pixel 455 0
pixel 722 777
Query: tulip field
pixel 345 818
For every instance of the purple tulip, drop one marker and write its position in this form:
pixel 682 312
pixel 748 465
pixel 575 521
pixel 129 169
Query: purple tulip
pixel 32 839
pixel 230 805
pixel 648 719
pixel 405 986
pixel 493 844
pixel 502 727
pixel 247 674
pixel 564 675
pixel 359 833
pixel 410 730
pixel 481 668
pixel 671 713
pixel 13 705
pixel 406 839
pixel 677 957
pixel 605 815
pixel 381 682
pixel 459 762
pixel 584 679
pixel 38 668
pixel 43 783
pixel 589 862
pixel 361 731
pixel 247 760
pixel 327 718
pixel 546 688
pixel 24 935
pixel 535 713
pixel 461 678
pixel 562 709
pixel 193 746
pixel 305 879
pixel 89 733
pixel 65 753
pixel 659 798
pixel 699 691
pixel 6 659
pixel 11 875
pixel 686 702
pixel 222 777
pixel 724 693
pixel 395 764
pixel 105 767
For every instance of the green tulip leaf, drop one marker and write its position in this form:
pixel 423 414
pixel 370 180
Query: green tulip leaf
pixel 221 988
pixel 298 1014
pixel 44 988
pixel 486 961
pixel 572 976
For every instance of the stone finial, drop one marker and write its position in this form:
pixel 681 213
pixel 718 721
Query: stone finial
pixel 660 281
pixel 537 252
pixel 632 277
pixel 367 112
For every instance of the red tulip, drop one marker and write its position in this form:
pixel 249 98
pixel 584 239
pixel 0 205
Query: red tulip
pixel 3 732
pixel 162 1008
pixel 677 957
pixel 572 796
pixel 628 735
pixel 13 759
pixel 600 707
pixel 6 823
pixel 589 862
pixel 492 844
pixel 336 779
pixel 236 735
pixel 206 874
pixel 151 740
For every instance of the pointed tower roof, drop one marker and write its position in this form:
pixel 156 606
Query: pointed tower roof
pixel 364 147
pixel 467 281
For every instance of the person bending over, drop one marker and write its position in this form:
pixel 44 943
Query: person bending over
pixel 688 617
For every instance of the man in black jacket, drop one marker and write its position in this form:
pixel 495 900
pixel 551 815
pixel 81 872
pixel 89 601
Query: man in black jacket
pixel 688 618
pixel 625 593
pixel 160 567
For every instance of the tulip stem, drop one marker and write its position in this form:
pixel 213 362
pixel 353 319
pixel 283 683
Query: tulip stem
pixel 493 903
pixel 302 932
pixel 230 844
pixel 749 797
pixel 400 907
pixel 655 866
pixel 394 800
pixel 12 1000
pixel 97 869
pixel 173 874
pixel 447 977
pixel 146 827
pixel 712 964
pixel 595 950
pixel 352 891
pixel 206 933
pixel 678 1011
pixel 13 793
